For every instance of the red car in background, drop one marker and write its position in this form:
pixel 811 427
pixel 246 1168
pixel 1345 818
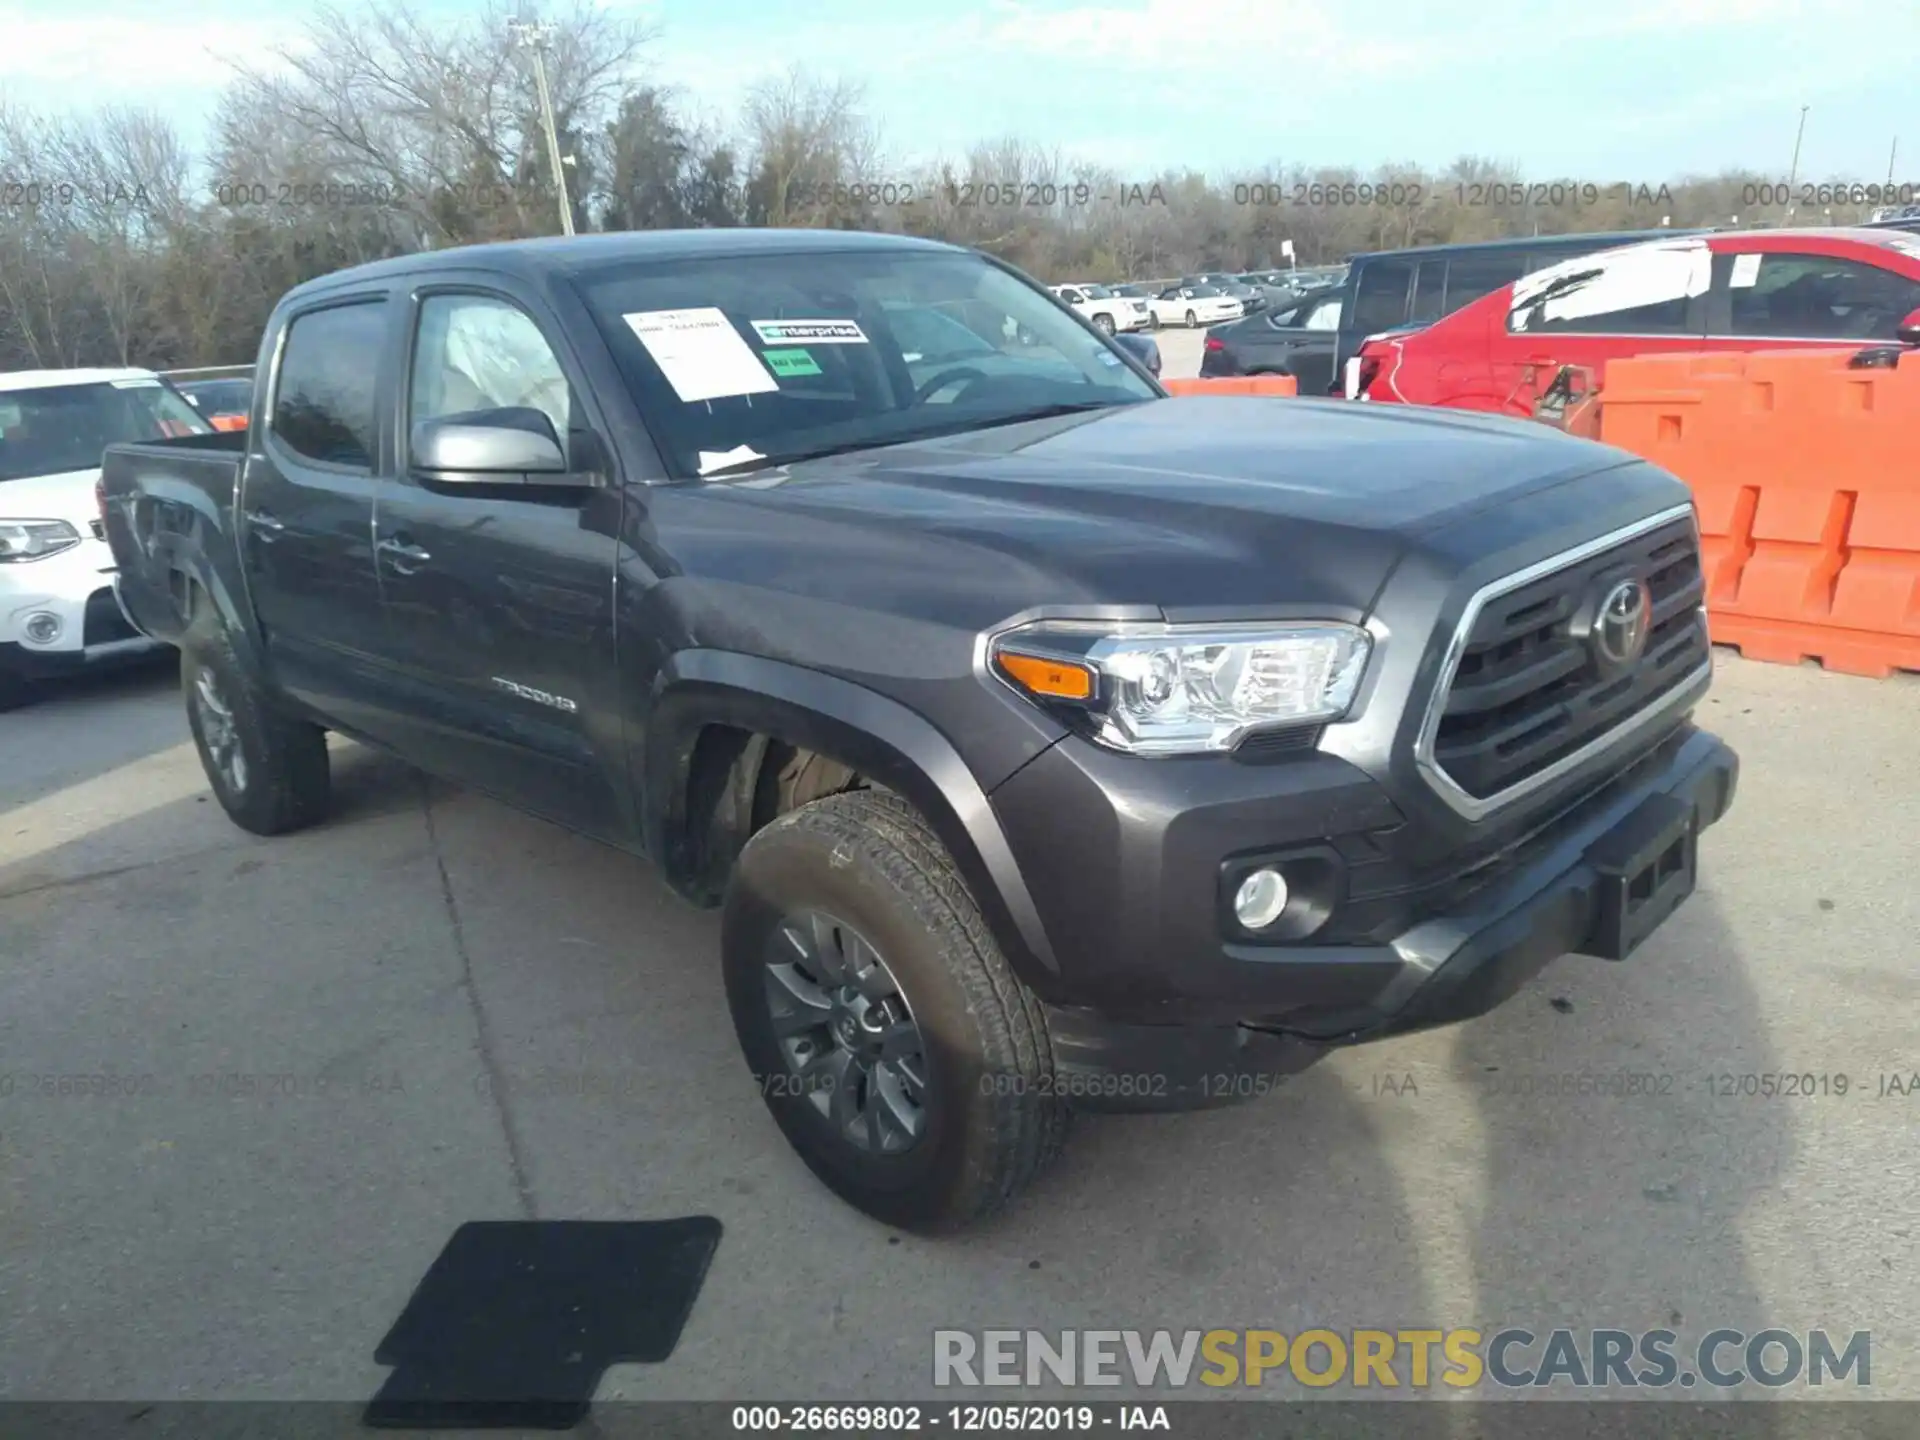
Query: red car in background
pixel 1552 332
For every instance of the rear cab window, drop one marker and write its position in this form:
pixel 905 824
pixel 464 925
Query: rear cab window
pixel 747 361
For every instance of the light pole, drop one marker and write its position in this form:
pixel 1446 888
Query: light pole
pixel 534 36
pixel 1793 170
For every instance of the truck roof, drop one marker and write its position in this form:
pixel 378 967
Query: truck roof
pixel 574 253
pixel 46 379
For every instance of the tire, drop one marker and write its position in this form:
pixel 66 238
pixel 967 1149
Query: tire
pixel 282 782
pixel 869 865
pixel 1104 324
pixel 1193 321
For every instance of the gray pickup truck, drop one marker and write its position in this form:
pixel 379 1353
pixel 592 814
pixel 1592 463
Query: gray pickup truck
pixel 1048 742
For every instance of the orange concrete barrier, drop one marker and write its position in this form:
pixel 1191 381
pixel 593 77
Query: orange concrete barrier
pixel 1807 477
pixel 1235 385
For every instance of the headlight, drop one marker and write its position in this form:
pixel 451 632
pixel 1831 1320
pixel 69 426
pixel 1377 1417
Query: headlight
pixel 1183 690
pixel 35 539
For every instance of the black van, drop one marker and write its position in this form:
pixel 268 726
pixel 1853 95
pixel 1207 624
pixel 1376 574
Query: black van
pixel 1387 290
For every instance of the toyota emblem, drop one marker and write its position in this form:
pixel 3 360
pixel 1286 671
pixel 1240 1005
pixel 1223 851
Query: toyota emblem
pixel 1620 629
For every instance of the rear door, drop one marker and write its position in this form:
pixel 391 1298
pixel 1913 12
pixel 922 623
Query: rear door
pixel 499 599
pixel 306 508
pixel 1583 312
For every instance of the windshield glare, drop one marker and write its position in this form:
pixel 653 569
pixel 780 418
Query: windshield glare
pixel 756 360
pixel 59 428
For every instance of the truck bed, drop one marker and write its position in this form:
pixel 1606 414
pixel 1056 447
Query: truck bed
pixel 169 512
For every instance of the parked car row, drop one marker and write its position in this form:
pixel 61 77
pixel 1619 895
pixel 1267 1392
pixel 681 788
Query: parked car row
pixel 1759 289
pixel 1389 290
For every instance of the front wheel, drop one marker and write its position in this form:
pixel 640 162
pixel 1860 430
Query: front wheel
pixel 1104 324
pixel 269 772
pixel 1193 321
pixel 899 1054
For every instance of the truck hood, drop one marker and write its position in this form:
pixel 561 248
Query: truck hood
pixel 1188 503
pixel 67 496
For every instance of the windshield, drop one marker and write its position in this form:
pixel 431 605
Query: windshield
pixel 760 360
pixel 1096 292
pixel 58 428
pixel 1209 292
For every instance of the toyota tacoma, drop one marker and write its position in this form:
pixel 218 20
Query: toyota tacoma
pixel 1047 742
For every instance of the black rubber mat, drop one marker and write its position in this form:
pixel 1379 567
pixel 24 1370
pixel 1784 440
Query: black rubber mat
pixel 516 1321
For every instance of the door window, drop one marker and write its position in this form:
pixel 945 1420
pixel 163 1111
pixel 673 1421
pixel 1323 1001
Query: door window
pixel 1429 292
pixel 1469 277
pixel 1381 303
pixel 1325 315
pixel 476 353
pixel 1814 297
pixel 1643 291
pixel 323 405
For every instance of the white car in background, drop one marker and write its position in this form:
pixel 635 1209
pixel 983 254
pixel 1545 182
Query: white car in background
pixel 1194 305
pixel 58 611
pixel 1112 313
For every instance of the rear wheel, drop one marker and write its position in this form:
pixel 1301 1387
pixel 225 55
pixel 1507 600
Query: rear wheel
pixel 899 1054
pixel 268 771
pixel 1193 321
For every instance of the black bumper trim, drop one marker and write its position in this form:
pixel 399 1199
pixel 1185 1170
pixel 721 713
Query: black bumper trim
pixel 1449 969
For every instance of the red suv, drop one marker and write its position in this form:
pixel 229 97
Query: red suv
pixel 1753 290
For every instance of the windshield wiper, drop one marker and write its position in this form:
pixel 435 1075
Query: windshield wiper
pixel 849 447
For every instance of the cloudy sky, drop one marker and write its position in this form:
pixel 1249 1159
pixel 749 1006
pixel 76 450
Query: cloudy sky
pixel 1621 90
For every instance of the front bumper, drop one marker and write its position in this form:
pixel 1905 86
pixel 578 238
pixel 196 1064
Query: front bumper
pixel 73 593
pixel 1185 1017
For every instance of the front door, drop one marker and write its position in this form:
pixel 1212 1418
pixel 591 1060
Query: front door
pixel 499 600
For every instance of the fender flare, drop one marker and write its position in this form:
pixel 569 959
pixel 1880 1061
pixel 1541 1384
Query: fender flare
pixel 879 737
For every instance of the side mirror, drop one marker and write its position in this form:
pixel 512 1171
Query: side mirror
pixel 1908 330
pixel 509 446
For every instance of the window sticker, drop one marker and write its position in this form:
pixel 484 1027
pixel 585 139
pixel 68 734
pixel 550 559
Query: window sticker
pixel 809 332
pixel 700 353
pixel 145 382
pixel 791 362
pixel 1746 270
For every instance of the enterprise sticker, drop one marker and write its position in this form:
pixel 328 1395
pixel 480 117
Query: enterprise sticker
pixel 809 332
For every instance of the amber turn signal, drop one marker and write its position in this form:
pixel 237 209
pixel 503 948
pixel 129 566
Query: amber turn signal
pixel 1050 679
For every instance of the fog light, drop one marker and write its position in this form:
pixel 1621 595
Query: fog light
pixel 1260 899
pixel 43 627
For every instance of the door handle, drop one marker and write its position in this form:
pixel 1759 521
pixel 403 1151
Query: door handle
pixel 403 557
pixel 265 525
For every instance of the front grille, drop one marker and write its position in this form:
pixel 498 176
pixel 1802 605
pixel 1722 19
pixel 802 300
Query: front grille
pixel 1528 691
pixel 104 622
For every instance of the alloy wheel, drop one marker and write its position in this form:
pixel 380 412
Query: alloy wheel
pixel 848 1035
pixel 219 733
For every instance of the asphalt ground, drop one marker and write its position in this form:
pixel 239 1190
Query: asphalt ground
pixel 454 1012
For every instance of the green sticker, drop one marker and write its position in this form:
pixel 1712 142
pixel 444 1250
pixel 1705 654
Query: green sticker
pixel 790 362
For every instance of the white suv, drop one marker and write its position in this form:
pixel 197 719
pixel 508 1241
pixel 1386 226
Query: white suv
pixel 1110 312
pixel 58 612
